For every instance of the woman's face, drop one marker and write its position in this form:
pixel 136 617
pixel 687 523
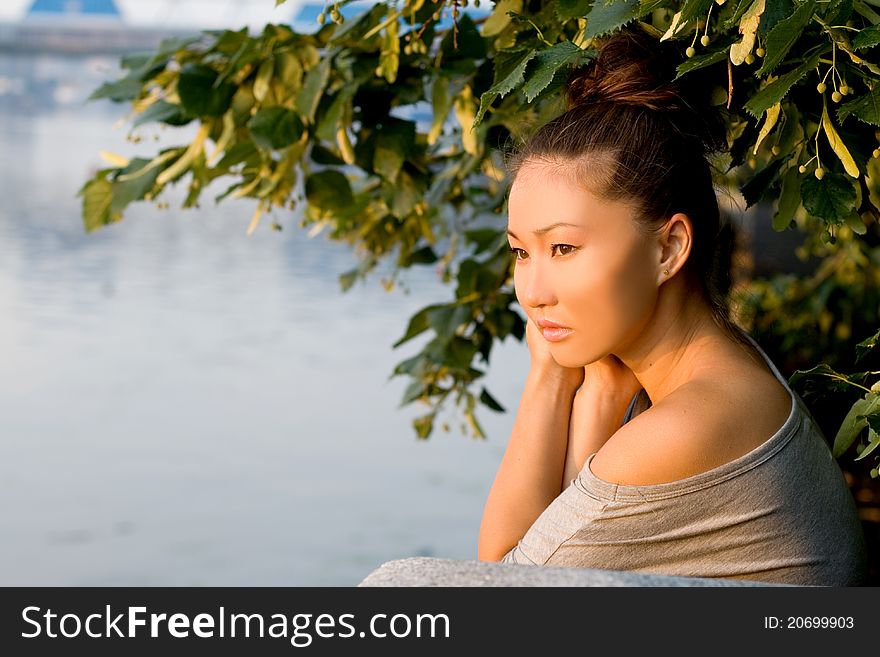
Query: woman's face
pixel 580 262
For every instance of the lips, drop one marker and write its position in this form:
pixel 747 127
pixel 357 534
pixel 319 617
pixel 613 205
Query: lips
pixel 552 331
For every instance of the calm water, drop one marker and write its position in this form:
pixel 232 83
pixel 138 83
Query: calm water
pixel 181 404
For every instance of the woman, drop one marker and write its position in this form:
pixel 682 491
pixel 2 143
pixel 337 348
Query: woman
pixel 653 433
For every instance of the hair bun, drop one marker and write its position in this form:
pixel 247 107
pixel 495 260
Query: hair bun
pixel 634 68
pixel 630 69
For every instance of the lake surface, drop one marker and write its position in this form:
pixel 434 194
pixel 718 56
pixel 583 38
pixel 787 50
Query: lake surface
pixel 181 404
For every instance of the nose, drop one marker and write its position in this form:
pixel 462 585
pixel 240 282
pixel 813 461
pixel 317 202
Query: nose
pixel 533 287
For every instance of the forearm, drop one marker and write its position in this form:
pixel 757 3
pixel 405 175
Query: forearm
pixel 596 415
pixel 530 474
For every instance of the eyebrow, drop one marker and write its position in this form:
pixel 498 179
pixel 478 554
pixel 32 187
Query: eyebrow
pixel 547 229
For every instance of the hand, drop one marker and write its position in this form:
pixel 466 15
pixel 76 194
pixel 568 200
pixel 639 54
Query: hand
pixel 609 376
pixel 598 410
pixel 542 360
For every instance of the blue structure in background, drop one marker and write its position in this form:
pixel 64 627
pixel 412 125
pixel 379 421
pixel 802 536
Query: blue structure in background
pixel 74 7
pixel 309 13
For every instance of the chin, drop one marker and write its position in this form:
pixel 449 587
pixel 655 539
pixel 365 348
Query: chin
pixel 569 360
pixel 576 357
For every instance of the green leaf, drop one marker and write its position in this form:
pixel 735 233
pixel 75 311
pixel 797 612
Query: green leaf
pixel 789 199
pixel 836 383
pixel 548 62
pixel 485 238
pixel 446 319
pixel 352 31
pixel 784 35
pixel 264 78
pixel 852 426
pixel 867 38
pixel 873 436
pixel 509 73
pixel 441 102
pixel 865 347
pixel 308 97
pixel 138 184
pixel 394 144
pixel 758 185
pixel 692 9
pixel 329 191
pixel 498 19
pixel 237 154
pixel 413 391
pixel 741 8
pixel 418 324
pixel 97 196
pixel 490 401
pixel 471 44
pixel 837 12
pixel 288 74
pixel 198 96
pixel 696 63
pixel 424 425
pixel 467 278
pixel 608 15
pixel 275 127
pixel 422 256
pixel 854 221
pixel 568 9
pixel 407 192
pixel 339 109
pixel 774 11
pixel 120 91
pixel 777 90
pixel 831 198
pixel 162 112
pixel 866 108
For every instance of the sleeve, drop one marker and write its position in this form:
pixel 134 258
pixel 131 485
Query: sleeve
pixel 571 513
pixel 517 556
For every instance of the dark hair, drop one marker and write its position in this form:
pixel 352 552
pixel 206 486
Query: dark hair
pixel 633 134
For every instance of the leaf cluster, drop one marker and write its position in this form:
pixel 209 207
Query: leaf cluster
pixel 384 130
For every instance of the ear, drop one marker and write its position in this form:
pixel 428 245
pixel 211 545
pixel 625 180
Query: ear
pixel 675 243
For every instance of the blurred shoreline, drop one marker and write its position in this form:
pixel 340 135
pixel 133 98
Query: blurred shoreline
pixel 95 38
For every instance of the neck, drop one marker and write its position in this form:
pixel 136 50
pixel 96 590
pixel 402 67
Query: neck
pixel 680 342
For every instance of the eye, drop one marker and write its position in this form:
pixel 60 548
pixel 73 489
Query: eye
pixel 562 248
pixel 516 252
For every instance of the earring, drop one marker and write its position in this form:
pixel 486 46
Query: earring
pixel 666 272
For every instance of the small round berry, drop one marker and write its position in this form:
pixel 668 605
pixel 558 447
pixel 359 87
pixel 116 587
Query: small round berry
pixel 819 173
pixel 845 90
pixel 836 96
pixel 775 150
pixel 874 473
pixel 690 52
pixel 750 59
pixel 802 169
pixel 760 52
pixel 821 87
pixel 876 152
pixel 704 40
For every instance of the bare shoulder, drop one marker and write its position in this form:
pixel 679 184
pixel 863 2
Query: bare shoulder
pixel 701 425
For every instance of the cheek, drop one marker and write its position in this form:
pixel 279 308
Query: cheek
pixel 619 292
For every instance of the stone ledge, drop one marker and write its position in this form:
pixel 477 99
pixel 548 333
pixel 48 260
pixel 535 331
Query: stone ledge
pixel 430 571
